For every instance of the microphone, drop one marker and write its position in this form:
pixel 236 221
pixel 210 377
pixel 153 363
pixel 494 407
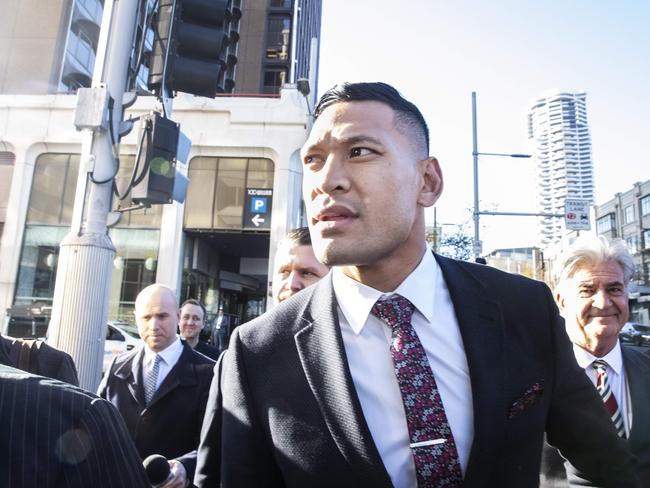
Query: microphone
pixel 157 469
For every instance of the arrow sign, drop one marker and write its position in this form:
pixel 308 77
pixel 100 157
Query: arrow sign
pixel 257 209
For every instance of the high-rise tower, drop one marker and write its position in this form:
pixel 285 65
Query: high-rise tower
pixel 557 125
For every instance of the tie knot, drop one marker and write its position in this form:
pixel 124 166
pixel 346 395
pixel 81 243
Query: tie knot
pixel 600 365
pixel 394 310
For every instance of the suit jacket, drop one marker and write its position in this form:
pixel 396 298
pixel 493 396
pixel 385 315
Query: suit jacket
pixel 637 371
pixel 171 424
pixel 44 360
pixel 53 434
pixel 207 350
pixel 291 415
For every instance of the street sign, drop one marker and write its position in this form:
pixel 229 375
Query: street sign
pixel 257 208
pixel 576 215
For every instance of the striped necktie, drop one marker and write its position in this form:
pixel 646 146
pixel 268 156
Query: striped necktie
pixel 605 391
pixel 150 380
pixel 431 440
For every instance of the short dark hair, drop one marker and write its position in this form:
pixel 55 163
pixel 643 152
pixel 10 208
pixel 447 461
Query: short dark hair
pixel 192 301
pixel 298 237
pixel 406 112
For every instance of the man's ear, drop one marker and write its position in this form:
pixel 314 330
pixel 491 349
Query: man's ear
pixel 559 300
pixel 432 183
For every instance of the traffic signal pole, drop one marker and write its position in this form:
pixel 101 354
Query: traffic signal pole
pixel 83 278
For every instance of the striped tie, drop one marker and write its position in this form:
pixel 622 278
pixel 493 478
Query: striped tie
pixel 603 387
pixel 150 380
pixel 432 442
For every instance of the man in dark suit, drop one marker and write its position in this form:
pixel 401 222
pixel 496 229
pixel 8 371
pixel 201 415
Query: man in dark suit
pixel 190 325
pixel 592 295
pixel 161 390
pixel 295 267
pixel 399 368
pixel 53 434
pixel 38 358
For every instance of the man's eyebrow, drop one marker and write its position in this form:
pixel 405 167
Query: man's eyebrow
pixel 360 139
pixel 347 141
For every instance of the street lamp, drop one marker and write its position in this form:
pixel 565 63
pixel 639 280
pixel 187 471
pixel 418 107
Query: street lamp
pixel 476 154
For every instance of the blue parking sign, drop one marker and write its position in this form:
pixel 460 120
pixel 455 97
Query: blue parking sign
pixel 258 204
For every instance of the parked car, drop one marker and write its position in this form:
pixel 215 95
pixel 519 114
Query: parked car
pixel 120 337
pixel 637 334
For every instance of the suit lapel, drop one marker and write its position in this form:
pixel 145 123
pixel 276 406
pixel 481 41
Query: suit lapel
pixel 130 371
pixel 637 370
pixel 181 373
pixel 481 327
pixel 322 354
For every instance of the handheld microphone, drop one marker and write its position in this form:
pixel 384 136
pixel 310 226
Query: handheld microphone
pixel 157 469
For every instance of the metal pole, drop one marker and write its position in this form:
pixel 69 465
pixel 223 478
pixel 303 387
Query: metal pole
pixel 81 293
pixel 477 240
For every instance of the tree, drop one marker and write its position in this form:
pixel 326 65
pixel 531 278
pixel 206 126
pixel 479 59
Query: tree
pixel 456 245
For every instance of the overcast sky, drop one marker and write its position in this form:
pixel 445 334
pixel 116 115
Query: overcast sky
pixel 437 52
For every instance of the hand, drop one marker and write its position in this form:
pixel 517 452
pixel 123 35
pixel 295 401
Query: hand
pixel 178 474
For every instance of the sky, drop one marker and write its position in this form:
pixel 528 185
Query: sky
pixel 510 52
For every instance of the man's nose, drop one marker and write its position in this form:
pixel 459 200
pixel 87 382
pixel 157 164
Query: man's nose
pixel 601 299
pixel 295 281
pixel 332 177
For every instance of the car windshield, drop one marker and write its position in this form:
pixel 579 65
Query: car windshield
pixel 642 328
pixel 132 330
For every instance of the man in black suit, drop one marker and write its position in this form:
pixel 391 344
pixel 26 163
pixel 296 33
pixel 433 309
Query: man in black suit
pixel 161 390
pixel 38 358
pixel 399 368
pixel 295 267
pixel 592 295
pixel 53 434
pixel 190 325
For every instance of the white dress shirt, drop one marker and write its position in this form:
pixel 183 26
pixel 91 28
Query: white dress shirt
pixel 615 376
pixel 367 345
pixel 168 359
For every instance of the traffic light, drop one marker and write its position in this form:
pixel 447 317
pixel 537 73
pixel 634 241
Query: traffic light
pixel 190 50
pixel 163 146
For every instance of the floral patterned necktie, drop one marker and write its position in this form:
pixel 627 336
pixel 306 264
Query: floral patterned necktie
pixel 431 439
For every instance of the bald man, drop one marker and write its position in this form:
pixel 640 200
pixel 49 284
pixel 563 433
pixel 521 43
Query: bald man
pixel 162 388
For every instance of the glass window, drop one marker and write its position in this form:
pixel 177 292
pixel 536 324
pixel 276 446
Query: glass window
pixel 646 239
pixel 260 173
pixel 628 214
pixel 216 192
pixel 632 244
pixel 278 37
pixel 645 205
pixel 53 189
pixel 231 180
pixel 199 204
pixel 38 262
pixel 134 267
pixel 281 3
pixel 54 186
pixel 604 224
pixel 274 79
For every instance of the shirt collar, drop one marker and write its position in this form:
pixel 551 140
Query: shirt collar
pixel 167 355
pixel 356 299
pixel 613 358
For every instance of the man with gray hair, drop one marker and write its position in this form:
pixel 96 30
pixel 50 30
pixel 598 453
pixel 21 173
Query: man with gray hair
pixel 592 295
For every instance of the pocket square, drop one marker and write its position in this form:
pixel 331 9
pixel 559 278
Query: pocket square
pixel 530 397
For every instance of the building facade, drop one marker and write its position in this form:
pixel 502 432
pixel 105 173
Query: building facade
pixel 627 217
pixel 558 129
pixel 243 143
